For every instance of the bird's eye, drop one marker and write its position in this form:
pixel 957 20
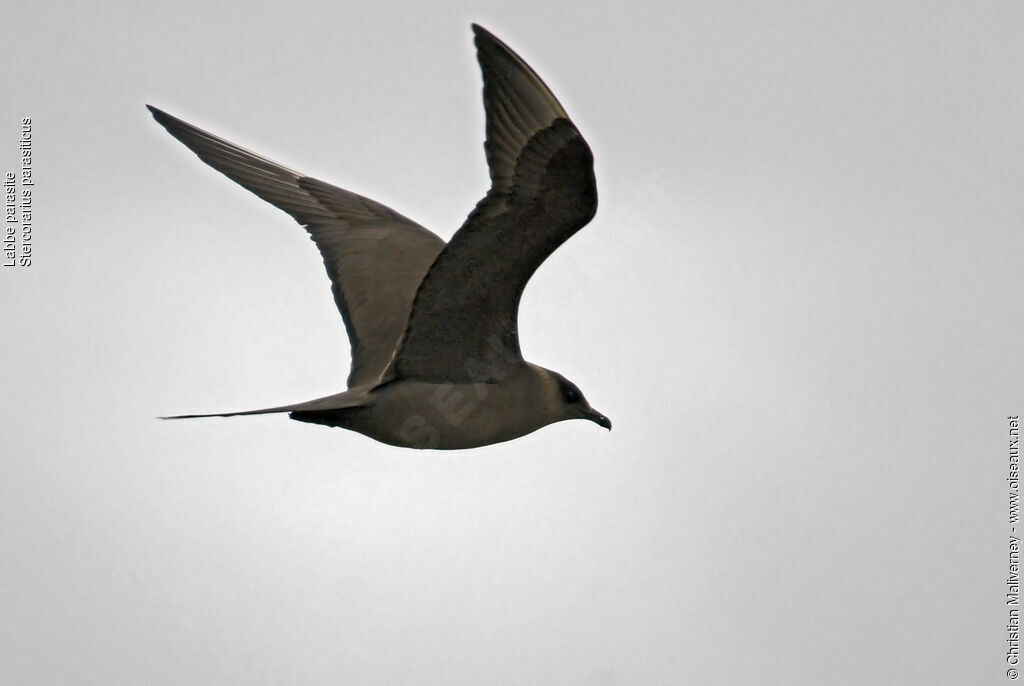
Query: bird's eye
pixel 570 393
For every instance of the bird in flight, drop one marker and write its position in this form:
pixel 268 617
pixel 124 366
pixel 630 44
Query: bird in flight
pixel 433 326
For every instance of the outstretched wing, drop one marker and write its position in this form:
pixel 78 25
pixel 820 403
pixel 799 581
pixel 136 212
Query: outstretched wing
pixel 375 257
pixel 463 322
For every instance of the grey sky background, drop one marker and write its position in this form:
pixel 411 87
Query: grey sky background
pixel 799 304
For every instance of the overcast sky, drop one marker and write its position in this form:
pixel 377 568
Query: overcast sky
pixel 799 304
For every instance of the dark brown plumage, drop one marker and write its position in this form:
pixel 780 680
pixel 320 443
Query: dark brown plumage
pixel 424 317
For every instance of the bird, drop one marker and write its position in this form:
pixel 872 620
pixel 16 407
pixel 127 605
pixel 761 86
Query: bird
pixel 433 326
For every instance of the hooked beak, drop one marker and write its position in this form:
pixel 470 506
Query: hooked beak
pixel 598 418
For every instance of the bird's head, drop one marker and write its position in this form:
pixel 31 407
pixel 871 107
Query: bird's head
pixel 572 405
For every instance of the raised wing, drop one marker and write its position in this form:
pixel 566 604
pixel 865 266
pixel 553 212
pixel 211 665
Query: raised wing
pixel 463 325
pixel 375 257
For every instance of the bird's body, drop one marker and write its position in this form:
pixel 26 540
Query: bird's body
pixel 449 416
pixel 435 348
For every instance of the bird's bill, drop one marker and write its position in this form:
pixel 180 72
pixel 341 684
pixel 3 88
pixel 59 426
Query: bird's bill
pixel 598 418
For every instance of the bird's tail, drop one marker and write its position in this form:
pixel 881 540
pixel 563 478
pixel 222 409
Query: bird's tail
pixel 354 397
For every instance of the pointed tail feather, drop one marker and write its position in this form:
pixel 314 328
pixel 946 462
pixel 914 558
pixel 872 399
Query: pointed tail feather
pixel 353 397
pixel 269 410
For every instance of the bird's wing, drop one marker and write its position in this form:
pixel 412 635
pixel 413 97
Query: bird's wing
pixel 375 257
pixel 463 321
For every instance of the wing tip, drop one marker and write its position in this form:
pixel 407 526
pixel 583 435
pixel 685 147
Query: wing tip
pixel 158 114
pixel 168 121
pixel 484 39
pixel 497 58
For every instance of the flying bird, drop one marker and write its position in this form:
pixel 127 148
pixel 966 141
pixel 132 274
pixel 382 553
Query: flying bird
pixel 433 330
